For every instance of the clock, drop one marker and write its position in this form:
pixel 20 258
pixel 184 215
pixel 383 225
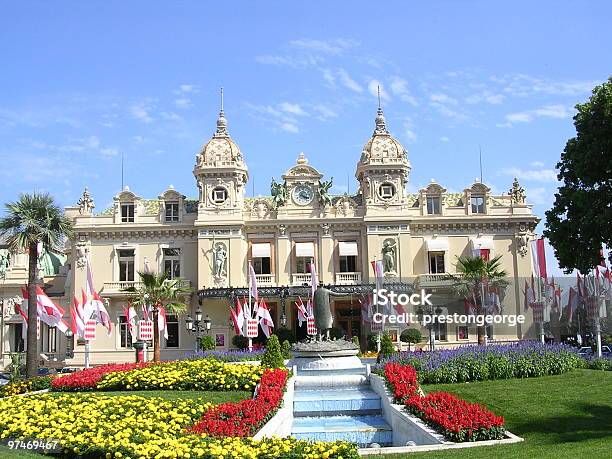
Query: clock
pixel 302 194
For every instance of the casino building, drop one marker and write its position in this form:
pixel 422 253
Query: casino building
pixel 208 242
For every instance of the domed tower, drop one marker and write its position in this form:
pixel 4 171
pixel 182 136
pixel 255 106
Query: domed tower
pixel 383 169
pixel 221 174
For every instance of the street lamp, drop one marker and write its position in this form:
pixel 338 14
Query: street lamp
pixel 69 344
pixel 198 326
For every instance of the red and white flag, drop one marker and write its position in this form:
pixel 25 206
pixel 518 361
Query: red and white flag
pixel 314 280
pixel 265 319
pixel 103 316
pixel 131 318
pixel 469 307
pixel 377 268
pixel 572 303
pixel 24 317
pixel 49 312
pixel 78 325
pixel 238 318
pixel 253 283
pixel 529 295
pixel 538 257
pixel 302 315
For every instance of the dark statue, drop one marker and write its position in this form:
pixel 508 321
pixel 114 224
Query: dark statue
pixel 322 311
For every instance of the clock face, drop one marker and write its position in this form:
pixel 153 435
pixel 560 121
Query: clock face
pixel 302 194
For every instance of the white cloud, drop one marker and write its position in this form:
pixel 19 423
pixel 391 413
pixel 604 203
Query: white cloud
pixel 523 117
pixel 534 175
pixel 332 47
pixel 485 96
pixel 536 164
pixel 329 77
pixel 187 88
pixel 294 109
pixel 183 102
pixel 444 139
pixel 324 111
pixel 373 87
pixel 140 111
pixel 399 87
pixel 348 82
pixel 547 111
pixel 553 111
pixel 289 127
pixel 170 116
pixel 443 98
pixel 109 151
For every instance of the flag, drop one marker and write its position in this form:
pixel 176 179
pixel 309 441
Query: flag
pixel 314 281
pixel 103 316
pixel 538 256
pixel 77 318
pixel 146 269
pixel 302 314
pixel 237 325
pixel 469 307
pixel 162 323
pixel 377 267
pixel 366 307
pixel 49 312
pixel 253 283
pixel 572 303
pixel 130 318
pixel 265 319
pixel 23 314
pixel 580 286
pixel 239 315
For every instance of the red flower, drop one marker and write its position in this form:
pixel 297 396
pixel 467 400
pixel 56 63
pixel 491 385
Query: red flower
pixel 89 378
pixel 244 418
pixel 456 419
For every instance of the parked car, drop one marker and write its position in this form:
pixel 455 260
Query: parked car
pixel 585 351
pixel 4 379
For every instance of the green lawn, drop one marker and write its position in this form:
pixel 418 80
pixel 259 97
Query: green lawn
pixel 561 416
pixel 5 451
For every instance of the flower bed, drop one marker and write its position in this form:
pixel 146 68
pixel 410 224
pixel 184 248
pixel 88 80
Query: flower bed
pixel 89 378
pixel 454 418
pixel 23 386
pixel 476 363
pixel 203 374
pixel 228 356
pixel 246 417
pixel 94 425
pixel 599 363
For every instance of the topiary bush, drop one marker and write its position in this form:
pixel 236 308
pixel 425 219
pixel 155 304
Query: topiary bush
pixel 241 342
pixel 207 343
pixel 286 349
pixel 411 336
pixel 387 349
pixel 273 356
pixel 372 342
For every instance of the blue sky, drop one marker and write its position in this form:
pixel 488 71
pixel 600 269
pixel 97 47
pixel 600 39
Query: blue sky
pixel 83 82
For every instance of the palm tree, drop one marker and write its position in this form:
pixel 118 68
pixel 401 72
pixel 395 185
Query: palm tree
pixel 32 220
pixel 473 274
pixel 157 290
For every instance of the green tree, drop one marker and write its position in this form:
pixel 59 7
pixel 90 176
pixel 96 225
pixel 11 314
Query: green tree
pixel 207 343
pixel 286 349
pixel 273 357
pixel 473 274
pixel 387 348
pixel 580 220
pixel 411 336
pixel 157 291
pixel 32 220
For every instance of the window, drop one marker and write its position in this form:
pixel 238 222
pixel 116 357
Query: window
pixel 173 330
pixel 478 205
pixel 439 331
pixel 172 262
pixel 433 205
pixel 126 265
pixel 219 195
pixel 18 344
pixel 261 265
pixel 261 254
pixel 462 332
pixel 386 190
pixel 172 211
pixel 436 262
pixel 302 264
pixel 127 212
pixel 125 337
pixel 348 263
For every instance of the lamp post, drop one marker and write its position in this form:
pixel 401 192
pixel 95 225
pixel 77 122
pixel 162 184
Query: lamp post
pixel 69 344
pixel 198 326
pixel 429 311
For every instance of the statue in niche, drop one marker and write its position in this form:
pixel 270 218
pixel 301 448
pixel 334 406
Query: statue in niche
pixel 279 193
pixel 389 256
pixel 220 261
pixel 324 195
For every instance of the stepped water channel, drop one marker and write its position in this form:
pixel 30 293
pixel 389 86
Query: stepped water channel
pixel 333 399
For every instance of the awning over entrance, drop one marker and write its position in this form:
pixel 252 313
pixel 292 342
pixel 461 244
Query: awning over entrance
pixel 304 249
pixel 438 244
pixel 347 248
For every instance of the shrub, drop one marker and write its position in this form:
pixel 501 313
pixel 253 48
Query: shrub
pixel 241 342
pixel 387 348
pixel 355 341
pixel 207 343
pixel 411 336
pixel 273 357
pixel 24 386
pixel 284 334
pixel 372 342
pixel 286 349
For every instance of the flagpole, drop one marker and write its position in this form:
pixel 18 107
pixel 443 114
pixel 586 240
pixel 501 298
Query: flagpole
pixel 596 318
pixel 86 353
pixel 250 310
